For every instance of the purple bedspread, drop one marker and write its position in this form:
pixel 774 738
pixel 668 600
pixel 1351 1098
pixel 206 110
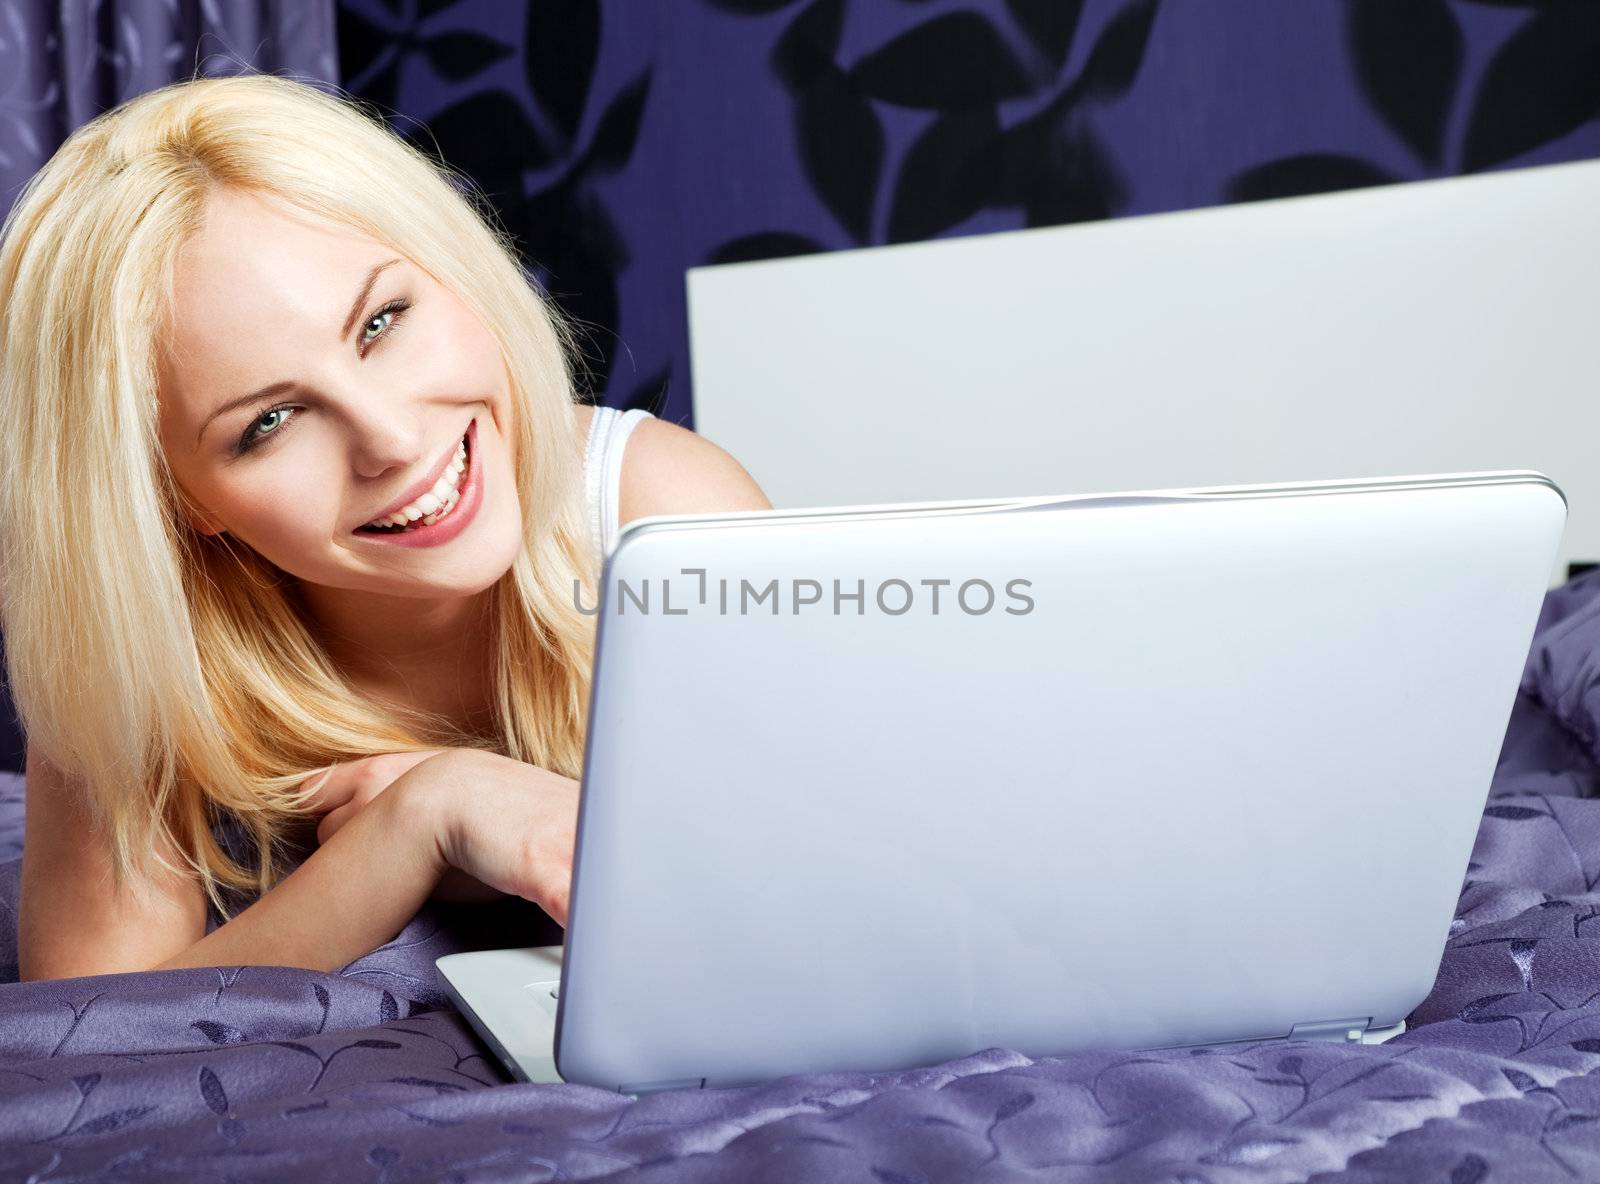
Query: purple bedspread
pixel 368 1074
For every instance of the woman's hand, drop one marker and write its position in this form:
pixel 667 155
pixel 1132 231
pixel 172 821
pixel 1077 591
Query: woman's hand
pixel 507 824
pixel 348 786
pixel 501 826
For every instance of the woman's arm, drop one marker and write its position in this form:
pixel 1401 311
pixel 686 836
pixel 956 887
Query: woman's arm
pixel 348 897
pixel 70 920
pixel 507 824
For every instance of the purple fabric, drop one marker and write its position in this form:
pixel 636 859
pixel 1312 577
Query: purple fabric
pixel 65 62
pixel 272 1073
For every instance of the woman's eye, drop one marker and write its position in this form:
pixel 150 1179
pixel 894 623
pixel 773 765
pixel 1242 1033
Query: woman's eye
pixel 259 429
pixel 376 325
pixel 382 322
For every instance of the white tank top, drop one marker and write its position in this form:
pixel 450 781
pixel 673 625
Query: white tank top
pixel 602 471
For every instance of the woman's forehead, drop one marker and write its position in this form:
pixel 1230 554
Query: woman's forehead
pixel 253 257
pixel 259 282
pixel 248 240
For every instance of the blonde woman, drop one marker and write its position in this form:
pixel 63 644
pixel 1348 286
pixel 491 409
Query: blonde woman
pixel 298 509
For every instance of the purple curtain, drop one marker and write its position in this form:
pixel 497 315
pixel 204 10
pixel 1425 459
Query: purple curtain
pixel 61 64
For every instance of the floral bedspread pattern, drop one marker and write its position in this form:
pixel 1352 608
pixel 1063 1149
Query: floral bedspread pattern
pixel 261 1073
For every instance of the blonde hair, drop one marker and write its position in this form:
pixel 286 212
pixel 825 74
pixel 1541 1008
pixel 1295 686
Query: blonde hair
pixel 170 672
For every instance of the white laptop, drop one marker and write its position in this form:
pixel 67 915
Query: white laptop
pixel 880 786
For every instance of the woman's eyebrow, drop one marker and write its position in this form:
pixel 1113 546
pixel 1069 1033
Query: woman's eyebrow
pixel 276 387
pixel 361 297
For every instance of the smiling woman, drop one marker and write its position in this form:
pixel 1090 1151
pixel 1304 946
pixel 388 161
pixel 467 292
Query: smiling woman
pixel 294 487
pixel 394 377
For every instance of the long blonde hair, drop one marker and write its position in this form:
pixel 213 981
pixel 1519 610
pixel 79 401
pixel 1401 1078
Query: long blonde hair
pixel 172 673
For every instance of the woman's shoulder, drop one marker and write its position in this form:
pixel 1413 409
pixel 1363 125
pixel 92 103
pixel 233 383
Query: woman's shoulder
pixel 668 469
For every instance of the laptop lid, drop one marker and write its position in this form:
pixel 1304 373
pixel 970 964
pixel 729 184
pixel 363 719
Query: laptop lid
pixel 881 786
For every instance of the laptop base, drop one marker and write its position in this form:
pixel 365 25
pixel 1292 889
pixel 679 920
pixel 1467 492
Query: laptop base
pixel 510 998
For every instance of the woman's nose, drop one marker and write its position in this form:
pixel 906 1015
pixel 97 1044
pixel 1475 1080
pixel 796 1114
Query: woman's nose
pixel 384 439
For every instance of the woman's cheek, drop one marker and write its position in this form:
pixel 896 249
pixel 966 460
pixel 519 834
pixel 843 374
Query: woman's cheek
pixel 286 511
pixel 462 356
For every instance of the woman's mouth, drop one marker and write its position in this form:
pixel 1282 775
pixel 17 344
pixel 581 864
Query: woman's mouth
pixel 441 513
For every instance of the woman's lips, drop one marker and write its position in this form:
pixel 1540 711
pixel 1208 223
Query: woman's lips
pixel 453 523
pixel 422 486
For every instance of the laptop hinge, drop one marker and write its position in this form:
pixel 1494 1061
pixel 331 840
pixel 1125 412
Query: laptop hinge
pixel 651 1087
pixel 1339 1031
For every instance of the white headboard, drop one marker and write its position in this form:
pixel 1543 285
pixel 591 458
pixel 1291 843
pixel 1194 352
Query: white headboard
pixel 1417 328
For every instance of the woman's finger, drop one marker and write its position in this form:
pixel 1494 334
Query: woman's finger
pixel 328 789
pixel 350 786
pixel 365 778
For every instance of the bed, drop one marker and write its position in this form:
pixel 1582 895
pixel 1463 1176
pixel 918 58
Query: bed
pixel 251 1073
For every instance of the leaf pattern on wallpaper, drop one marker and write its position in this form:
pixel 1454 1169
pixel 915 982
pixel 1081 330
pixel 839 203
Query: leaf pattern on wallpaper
pixel 1118 54
pixel 458 56
pixel 769 244
pixel 840 136
pixel 1296 176
pixel 372 47
pixel 807 47
pixel 959 67
pixel 1542 84
pixel 1408 63
pixel 536 155
pixel 947 176
pixel 1054 168
pixel 477 130
pixel 561 46
pixel 955 60
pixel 1049 24
pixel 618 130
pixel 750 7
pixel 579 251
pixel 364 48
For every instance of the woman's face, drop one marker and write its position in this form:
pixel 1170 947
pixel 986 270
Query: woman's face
pixel 312 379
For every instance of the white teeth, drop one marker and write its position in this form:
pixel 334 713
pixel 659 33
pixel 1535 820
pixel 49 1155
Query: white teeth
pixel 438 501
pixel 448 506
pixel 439 511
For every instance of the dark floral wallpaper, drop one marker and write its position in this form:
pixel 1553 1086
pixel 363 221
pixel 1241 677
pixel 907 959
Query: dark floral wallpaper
pixel 623 141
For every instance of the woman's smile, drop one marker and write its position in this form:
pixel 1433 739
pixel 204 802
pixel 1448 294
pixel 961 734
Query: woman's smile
pixel 442 511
